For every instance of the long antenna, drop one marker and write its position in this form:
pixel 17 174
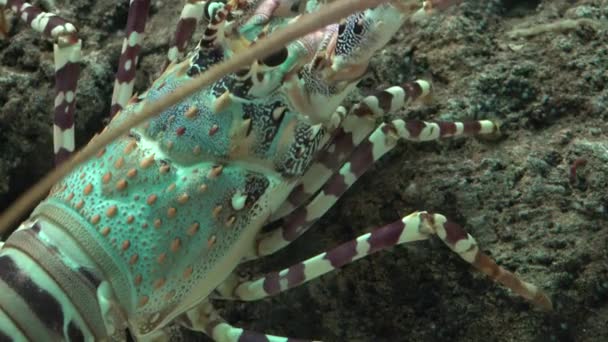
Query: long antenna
pixel 310 22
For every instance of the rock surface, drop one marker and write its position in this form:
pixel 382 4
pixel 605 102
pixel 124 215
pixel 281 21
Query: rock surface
pixel 515 194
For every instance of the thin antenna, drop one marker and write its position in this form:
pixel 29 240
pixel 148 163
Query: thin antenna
pixel 311 22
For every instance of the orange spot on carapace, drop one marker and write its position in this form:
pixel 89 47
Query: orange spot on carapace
pixel 216 211
pixel 130 147
pixel 193 228
pixel 171 212
pixel 187 272
pixel 151 199
pixel 101 153
pixel 191 112
pixel 132 173
pixel 147 162
pixel 196 150
pixel 175 245
pixel 158 283
pixel 164 169
pixel 125 245
pixel 211 241
pixel 95 219
pixel 88 189
pixel 80 204
pixel 120 162
pixel 105 231
pixel 111 212
pixel 183 198
pixel 106 177
pixel 121 185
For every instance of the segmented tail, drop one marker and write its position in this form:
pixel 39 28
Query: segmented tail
pixel 44 294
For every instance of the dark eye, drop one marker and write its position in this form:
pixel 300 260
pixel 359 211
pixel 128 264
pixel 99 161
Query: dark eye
pixel 358 29
pixel 242 72
pixel 341 28
pixel 295 7
pixel 276 58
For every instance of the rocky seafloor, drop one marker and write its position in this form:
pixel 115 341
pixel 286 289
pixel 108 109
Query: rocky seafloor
pixel 547 86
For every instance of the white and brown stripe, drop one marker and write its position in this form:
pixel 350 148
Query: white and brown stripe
pixel 205 318
pixel 43 298
pixel 191 14
pixel 381 141
pixel 67 55
pixel 414 227
pixel 213 33
pixel 354 129
pixel 125 76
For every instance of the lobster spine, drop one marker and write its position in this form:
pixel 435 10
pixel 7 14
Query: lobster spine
pixel 49 292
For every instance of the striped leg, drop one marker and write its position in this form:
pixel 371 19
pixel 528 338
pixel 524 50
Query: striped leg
pixel 216 12
pixel 382 140
pixel 131 46
pixel 188 19
pixel 205 319
pixel 414 227
pixel 138 13
pixel 66 51
pixel 357 125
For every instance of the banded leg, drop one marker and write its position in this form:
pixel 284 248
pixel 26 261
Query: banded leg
pixel 213 35
pixel 205 319
pixel 382 140
pixel 66 51
pixel 131 46
pixel 414 227
pixel 357 125
pixel 191 13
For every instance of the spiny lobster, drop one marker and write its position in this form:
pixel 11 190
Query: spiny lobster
pixel 150 230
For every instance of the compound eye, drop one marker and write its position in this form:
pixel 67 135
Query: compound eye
pixel 276 58
pixel 358 28
pixel 242 72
